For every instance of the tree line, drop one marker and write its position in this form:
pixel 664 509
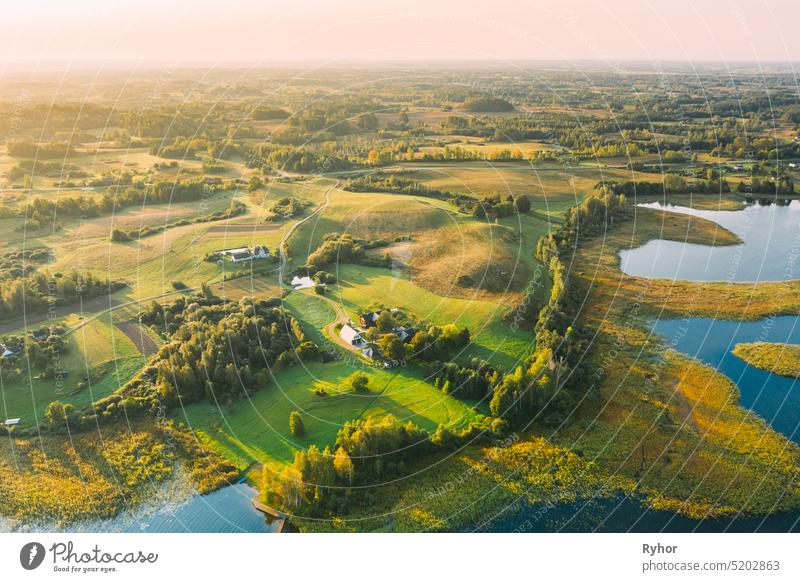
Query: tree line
pixel 35 291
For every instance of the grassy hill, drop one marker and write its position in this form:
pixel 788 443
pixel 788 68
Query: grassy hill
pixel 97 350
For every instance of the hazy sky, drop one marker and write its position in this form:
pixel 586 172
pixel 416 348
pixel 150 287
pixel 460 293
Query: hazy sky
pixel 147 32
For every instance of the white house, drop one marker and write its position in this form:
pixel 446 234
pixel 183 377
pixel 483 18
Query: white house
pixel 351 336
pixel 303 282
pixel 11 421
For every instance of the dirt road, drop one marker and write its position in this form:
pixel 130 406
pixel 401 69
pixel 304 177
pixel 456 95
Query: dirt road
pixel 146 345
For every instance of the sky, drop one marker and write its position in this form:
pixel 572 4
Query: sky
pixel 267 32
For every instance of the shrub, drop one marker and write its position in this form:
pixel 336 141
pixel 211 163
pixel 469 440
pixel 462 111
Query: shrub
pixel 118 235
pixel 523 204
pixel 296 424
pixel 356 382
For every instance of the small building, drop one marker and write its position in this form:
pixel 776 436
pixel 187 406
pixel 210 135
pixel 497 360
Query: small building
pixel 369 319
pixel 11 421
pixel 405 333
pixel 6 351
pixel 351 336
pixel 371 352
pixel 303 282
pixel 241 256
pixel 40 334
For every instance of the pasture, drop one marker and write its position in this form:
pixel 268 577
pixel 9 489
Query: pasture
pixel 551 188
pixel 99 358
pixel 493 339
pixel 257 430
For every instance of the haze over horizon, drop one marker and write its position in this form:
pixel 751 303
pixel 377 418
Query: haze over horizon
pixel 151 33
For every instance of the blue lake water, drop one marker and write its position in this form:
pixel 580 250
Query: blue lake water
pixel 770 249
pixel 775 398
pixel 625 514
pixel 227 510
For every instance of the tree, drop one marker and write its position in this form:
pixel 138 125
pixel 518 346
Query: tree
pixel 296 424
pixel 118 235
pixel 57 412
pixel 368 122
pixel 385 322
pixel 254 183
pixel 356 382
pixel 523 204
pixel 392 347
pixel 444 438
pixel 343 465
pixel 207 292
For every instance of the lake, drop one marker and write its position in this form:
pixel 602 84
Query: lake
pixel 227 510
pixel 775 398
pixel 771 246
pixel 626 514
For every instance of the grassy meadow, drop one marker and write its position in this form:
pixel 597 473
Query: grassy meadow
pixel 257 430
pixel 96 350
pixel 778 358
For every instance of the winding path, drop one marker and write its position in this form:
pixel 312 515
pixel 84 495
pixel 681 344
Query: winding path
pixel 285 239
pixel 330 329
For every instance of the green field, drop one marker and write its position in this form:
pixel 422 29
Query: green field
pixel 368 215
pixel 492 338
pixel 97 349
pixel 257 430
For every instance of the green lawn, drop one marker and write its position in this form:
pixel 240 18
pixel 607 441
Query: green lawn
pixel 371 216
pixel 98 349
pixel 313 313
pixel 492 338
pixel 257 430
